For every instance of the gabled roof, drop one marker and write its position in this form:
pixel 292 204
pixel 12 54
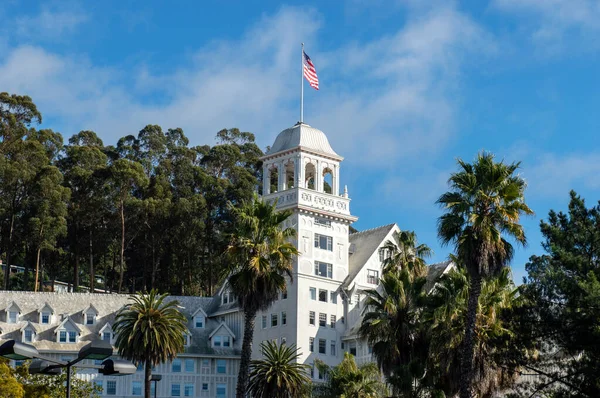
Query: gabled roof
pixel 29 325
pixel 46 305
pixel 12 305
pixel 65 321
pixel 201 310
pixel 86 310
pixel 365 244
pixel 107 325
pixel 435 271
pixel 221 326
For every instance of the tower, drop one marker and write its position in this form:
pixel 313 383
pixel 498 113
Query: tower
pixel 302 173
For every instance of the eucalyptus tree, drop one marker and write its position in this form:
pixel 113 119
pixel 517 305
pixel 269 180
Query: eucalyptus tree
pixel 482 207
pixel 20 159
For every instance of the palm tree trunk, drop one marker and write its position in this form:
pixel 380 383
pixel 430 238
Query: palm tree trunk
pixel 243 375
pixel 147 379
pixel 466 368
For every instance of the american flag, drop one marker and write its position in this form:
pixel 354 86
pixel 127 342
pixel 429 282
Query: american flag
pixel 310 73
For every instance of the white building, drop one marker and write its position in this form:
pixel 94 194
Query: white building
pixel 320 312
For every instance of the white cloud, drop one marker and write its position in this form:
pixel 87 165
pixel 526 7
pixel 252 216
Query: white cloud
pixel 49 24
pixel 552 175
pixel 382 101
pixel 550 22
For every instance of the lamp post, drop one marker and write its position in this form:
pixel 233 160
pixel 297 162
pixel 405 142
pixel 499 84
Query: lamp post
pixel 155 379
pixel 99 350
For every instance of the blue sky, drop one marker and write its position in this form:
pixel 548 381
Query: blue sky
pixel 405 88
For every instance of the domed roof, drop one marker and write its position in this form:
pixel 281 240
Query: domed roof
pixel 301 135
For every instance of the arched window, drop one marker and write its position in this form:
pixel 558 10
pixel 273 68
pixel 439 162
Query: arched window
pixel 309 176
pixel 274 178
pixel 290 175
pixel 328 181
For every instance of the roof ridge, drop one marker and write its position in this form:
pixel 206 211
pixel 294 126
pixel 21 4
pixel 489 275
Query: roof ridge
pixel 439 263
pixel 373 229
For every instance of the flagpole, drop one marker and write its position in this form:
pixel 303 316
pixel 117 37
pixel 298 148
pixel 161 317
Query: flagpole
pixel 302 85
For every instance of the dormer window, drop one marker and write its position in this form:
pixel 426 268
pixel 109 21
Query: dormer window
pixel 28 333
pixel 67 331
pixel 227 297
pixel 45 313
pixel 107 334
pixel 13 316
pixel 90 318
pixel 199 321
pixel 89 315
pixel 222 341
pixel 12 313
pixel 186 340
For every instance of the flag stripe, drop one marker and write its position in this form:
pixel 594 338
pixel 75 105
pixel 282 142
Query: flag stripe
pixel 310 73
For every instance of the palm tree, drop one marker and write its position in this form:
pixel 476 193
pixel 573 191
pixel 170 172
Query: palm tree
pixel 392 325
pixel 261 257
pixel 150 330
pixel 405 252
pixel 279 375
pixel 446 316
pixel 347 380
pixel 484 204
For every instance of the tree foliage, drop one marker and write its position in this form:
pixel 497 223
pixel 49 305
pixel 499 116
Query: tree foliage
pixel 558 323
pixel 278 375
pixel 150 330
pixel 149 211
pixel 483 208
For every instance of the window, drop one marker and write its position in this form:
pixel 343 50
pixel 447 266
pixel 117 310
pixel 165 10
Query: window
pixel 384 254
pixel 284 294
pixel 311 344
pixel 136 388
pixel 311 318
pixel 45 318
pixel 225 298
pixel 324 242
pixel 332 348
pixel 372 276
pixel 323 269
pixel 221 390
pixel 322 346
pixel 99 385
pixel 273 320
pixel 333 297
pixel 188 390
pixel 189 365
pixel 313 293
pixel 204 386
pixel 322 319
pixel 199 321
pixel 221 366
pixel 283 318
pixel 332 321
pixel 369 349
pixel 106 336
pixel 352 349
pixel 323 295
pixel 217 341
pixel 176 366
pixel 72 337
pixel 264 321
pixel 62 336
pixel 325 223
pixel 28 335
pixel 90 318
pixel 111 387
pixel 206 363
pixel 176 390
pixel 226 341
pixel 342 345
pixel 186 339
pixel 12 317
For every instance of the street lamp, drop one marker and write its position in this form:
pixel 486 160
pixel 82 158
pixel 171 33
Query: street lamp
pixel 97 350
pixel 155 379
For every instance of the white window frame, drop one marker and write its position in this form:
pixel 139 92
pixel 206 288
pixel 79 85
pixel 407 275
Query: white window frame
pixel 373 276
pixel 328 269
pixel 199 319
pixel 327 242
